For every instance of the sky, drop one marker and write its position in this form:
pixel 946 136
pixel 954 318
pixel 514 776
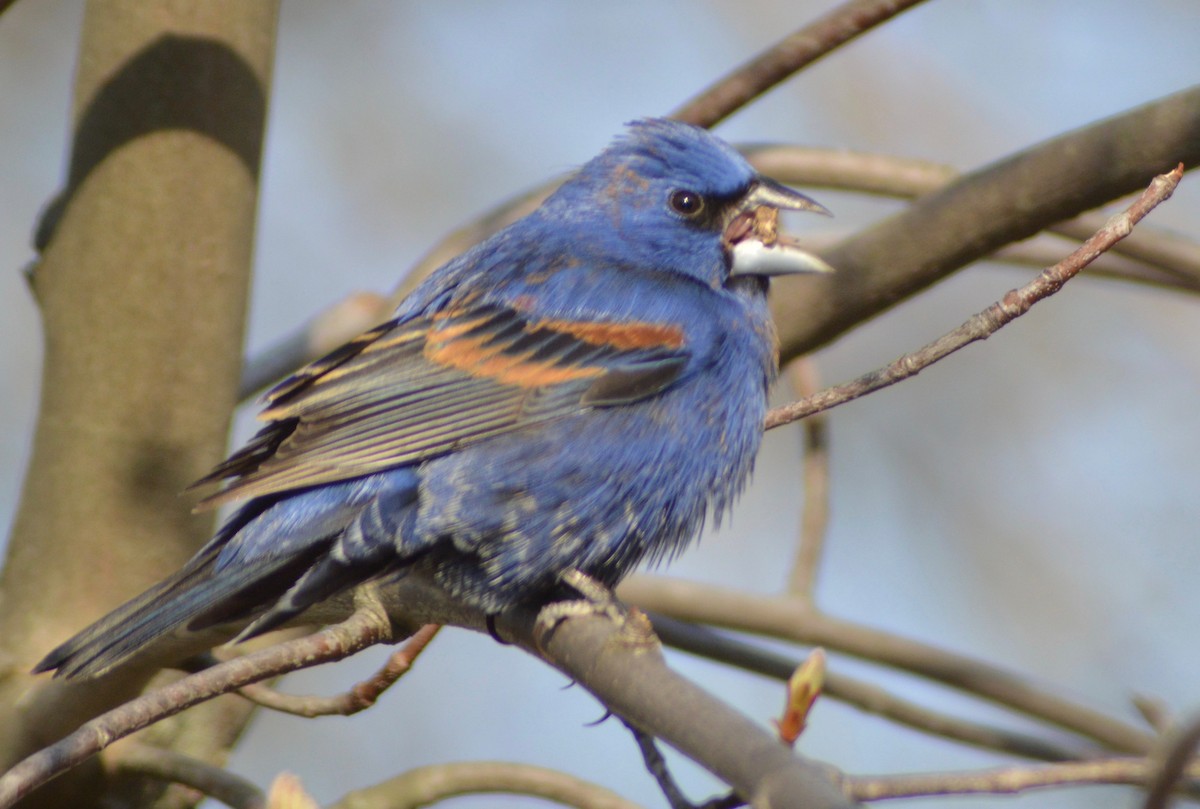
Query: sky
pixel 1031 500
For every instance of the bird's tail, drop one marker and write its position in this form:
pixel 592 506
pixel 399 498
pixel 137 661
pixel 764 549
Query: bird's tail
pixel 188 601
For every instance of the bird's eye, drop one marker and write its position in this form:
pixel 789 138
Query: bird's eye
pixel 687 203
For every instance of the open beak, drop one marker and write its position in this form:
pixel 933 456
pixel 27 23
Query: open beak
pixel 752 236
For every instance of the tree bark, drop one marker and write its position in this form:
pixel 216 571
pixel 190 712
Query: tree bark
pixel 142 285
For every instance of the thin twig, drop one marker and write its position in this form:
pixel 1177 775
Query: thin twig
pixel 360 697
pixel 1154 711
pixel 1007 780
pixel 1048 247
pixel 790 619
pixel 364 628
pixel 1171 762
pixel 814 514
pixel 847 170
pixel 167 765
pixel 1166 251
pixel 709 643
pixel 1043 250
pixel 986 323
pixel 798 50
pixel 425 786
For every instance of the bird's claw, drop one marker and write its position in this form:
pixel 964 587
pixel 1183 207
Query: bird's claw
pixel 597 600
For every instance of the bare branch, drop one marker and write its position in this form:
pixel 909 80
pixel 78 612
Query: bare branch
pixel 424 786
pixel 797 51
pixel 1154 711
pixel 814 514
pixel 1173 760
pixel 790 619
pixel 363 629
pixel 1009 200
pixel 986 323
pixel 1129 771
pixel 624 668
pixel 215 782
pixel 1161 252
pixel 1115 265
pixel 1170 253
pixel 707 642
pixel 359 698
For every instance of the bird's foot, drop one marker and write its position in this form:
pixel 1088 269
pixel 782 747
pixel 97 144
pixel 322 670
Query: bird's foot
pixel 597 599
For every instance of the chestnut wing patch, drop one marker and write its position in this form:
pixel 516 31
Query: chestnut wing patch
pixel 415 389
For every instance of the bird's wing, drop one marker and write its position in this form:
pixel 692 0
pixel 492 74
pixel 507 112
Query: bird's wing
pixel 416 388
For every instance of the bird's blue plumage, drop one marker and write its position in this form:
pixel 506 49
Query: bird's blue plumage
pixel 576 392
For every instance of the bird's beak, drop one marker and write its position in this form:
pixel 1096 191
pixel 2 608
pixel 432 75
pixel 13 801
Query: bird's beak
pixel 752 236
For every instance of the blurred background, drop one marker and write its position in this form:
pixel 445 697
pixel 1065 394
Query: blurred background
pixel 1033 501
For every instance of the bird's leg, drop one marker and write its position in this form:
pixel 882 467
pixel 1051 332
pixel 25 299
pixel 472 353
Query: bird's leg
pixel 597 599
pixel 591 589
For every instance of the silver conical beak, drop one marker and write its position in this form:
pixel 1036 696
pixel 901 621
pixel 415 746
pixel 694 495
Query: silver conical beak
pixel 752 233
pixel 766 191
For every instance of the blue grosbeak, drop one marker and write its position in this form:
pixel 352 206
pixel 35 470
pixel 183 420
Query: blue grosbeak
pixel 572 394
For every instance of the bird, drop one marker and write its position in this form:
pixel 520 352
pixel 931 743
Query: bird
pixel 573 395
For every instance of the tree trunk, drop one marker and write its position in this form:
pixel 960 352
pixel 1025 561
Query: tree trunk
pixel 142 285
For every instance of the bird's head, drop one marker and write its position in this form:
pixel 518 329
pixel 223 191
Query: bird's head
pixel 677 198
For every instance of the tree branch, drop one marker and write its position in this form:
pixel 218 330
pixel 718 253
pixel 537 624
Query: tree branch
pixel 790 619
pixel 364 628
pixel 1162 252
pixel 1174 759
pixel 980 212
pixel 215 782
pixel 1008 780
pixel 986 323
pixel 707 642
pixel 360 697
pixel 814 514
pixel 624 668
pixel 425 786
pixel 621 666
pixel 792 54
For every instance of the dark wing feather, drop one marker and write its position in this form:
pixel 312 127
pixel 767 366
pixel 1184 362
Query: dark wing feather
pixel 414 389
